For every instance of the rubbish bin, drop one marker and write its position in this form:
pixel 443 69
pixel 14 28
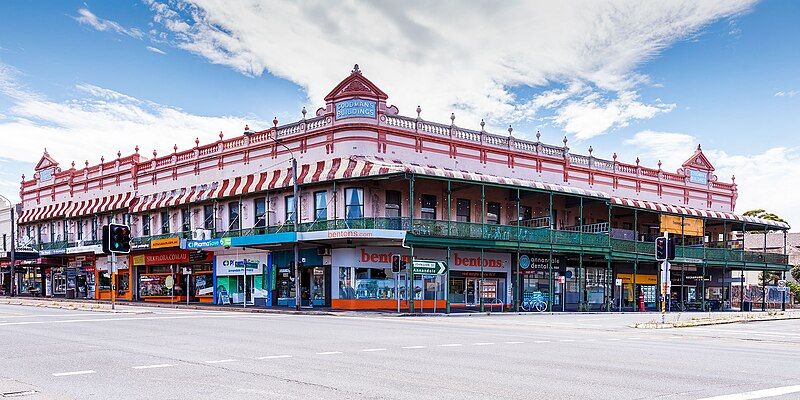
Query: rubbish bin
pixel 747 306
pixel 70 294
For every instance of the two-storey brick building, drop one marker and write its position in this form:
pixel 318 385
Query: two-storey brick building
pixel 511 218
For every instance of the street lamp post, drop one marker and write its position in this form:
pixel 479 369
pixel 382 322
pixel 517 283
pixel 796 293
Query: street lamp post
pixel 295 215
pixel 13 247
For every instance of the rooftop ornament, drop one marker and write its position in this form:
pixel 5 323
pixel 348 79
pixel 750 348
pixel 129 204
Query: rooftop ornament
pixel 510 129
pixel 452 118
pixel 303 111
pixel 590 150
pixel 538 136
pixel 419 110
pixel 482 125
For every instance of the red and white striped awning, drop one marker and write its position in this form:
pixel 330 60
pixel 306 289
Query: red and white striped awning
pixel 430 170
pixel 42 213
pixel 101 204
pixel 694 212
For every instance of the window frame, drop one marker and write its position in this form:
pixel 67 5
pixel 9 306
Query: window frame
pixel 260 218
pixel 348 206
pixel 394 206
pixel 427 214
pixel 489 205
pixel 324 206
pixel 208 218
pixel 234 224
pixel 165 222
pixel 459 216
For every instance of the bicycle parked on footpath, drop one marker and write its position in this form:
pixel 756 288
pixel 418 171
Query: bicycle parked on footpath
pixel 533 301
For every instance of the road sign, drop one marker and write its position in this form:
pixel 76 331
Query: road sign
pixel 618 282
pixel 524 261
pixel 781 283
pixel 429 267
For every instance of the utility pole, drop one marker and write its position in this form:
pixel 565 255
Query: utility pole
pixel 295 217
pixel 13 267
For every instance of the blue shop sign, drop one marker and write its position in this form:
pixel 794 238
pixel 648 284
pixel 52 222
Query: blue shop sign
pixel 355 108
pixel 200 244
pixel 268 238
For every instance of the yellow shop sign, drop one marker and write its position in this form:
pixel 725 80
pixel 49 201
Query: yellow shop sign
pixel 165 243
pixel 686 226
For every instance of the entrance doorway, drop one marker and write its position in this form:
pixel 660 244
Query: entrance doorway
pixel 312 286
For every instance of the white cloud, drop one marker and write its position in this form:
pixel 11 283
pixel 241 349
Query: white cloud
pixel 787 93
pixel 592 115
pixel 155 50
pixel 448 57
pixel 765 180
pixel 86 17
pixel 99 122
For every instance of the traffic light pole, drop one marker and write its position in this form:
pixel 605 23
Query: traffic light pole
pixel 113 280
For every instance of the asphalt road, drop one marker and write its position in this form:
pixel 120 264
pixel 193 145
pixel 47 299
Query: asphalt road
pixel 62 354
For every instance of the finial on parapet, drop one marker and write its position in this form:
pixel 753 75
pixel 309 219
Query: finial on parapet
pixel 614 156
pixel 303 111
pixel 698 147
pixel 637 161
pixel 197 142
pixel 175 148
pixel 659 165
pixel 136 149
pixel 733 179
pixel 86 164
pixel 119 154
pixel 419 110
pixel 355 70
pixel 102 160
pixel 452 118
pixel 73 164
pixel 275 120
pixel 510 129
pixel 482 125
pixel 590 150
pixel 538 136
pixel 155 153
pixel 565 141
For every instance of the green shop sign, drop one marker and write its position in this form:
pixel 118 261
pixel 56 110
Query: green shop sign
pixel 429 267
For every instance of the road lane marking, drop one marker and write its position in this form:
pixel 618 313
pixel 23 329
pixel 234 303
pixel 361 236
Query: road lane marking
pixel 614 340
pixel 634 338
pixel 450 345
pixel 566 340
pixel 483 344
pixel 327 353
pixel 274 357
pixel 153 366
pixel 591 340
pixel 227 360
pixel 117 319
pixel 541 341
pixel 757 394
pixel 377 349
pixel 514 342
pixel 85 372
pixel 414 347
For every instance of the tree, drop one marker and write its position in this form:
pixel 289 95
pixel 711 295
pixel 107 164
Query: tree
pixel 763 214
pixel 770 277
pixel 796 273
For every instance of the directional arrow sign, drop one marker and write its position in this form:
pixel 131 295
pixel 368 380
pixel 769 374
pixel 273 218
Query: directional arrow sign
pixel 429 267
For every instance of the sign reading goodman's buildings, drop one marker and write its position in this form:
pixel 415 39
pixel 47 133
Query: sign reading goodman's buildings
pixel 355 108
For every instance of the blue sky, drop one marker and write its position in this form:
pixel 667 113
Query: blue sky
pixel 86 79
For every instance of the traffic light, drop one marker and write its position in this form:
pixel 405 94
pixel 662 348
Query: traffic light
pixel 661 248
pixel 116 239
pixel 397 263
pixel 671 248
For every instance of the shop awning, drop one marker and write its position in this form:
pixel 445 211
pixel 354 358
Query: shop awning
pixel 101 204
pixel 49 211
pixel 694 212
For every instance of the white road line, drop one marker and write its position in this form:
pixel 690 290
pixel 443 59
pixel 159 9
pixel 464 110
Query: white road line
pixel 85 372
pixel 634 338
pixel 614 340
pixel 153 366
pixel 566 340
pixel 757 394
pixel 414 347
pixel 71 321
pixel 327 353
pixel 514 342
pixel 378 349
pixel 450 345
pixel 541 341
pixel 274 357
pixel 483 344
pixel 674 337
pixel 227 360
pixel 591 340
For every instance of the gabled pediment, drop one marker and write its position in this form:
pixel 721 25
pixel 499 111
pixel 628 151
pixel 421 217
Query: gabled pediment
pixel 356 85
pixel 45 162
pixel 698 161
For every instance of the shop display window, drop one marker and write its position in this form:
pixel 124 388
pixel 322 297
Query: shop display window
pixel 156 285
pixel 379 283
pixel 104 280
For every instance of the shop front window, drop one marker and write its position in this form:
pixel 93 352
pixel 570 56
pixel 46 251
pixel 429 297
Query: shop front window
pixel 104 280
pixel 462 210
pixel 492 213
pixel 260 215
pixel 428 210
pixel 208 216
pixel 164 222
pixel 380 284
pixel 320 206
pixel 353 203
pixel 233 216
